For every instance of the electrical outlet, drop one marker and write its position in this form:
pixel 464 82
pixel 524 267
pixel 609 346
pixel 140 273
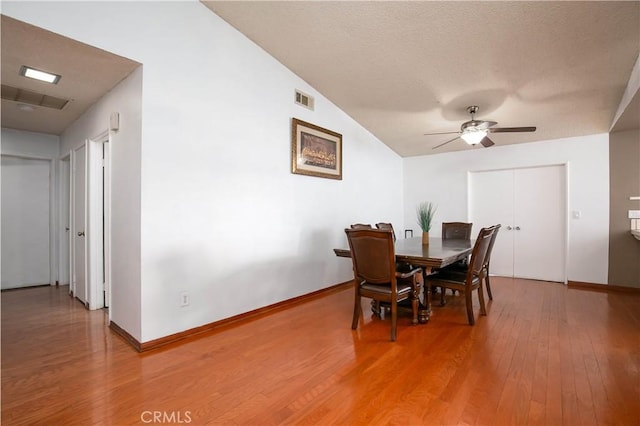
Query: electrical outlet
pixel 184 299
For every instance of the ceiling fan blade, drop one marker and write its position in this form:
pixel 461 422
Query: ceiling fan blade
pixel 440 133
pixel 511 129
pixel 486 124
pixel 444 143
pixel 486 142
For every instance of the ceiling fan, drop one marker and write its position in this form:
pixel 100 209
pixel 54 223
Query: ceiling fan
pixel 475 131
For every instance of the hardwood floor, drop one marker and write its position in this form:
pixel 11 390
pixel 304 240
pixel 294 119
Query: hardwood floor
pixel 544 355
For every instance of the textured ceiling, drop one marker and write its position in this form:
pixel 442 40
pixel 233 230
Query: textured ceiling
pixel 87 74
pixel 402 69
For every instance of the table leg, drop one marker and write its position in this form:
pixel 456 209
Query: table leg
pixel 424 311
pixel 415 300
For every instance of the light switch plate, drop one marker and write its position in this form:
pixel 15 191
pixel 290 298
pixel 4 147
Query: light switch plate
pixel 634 214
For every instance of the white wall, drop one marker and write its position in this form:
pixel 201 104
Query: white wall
pixel 125 158
pixel 221 215
pixel 442 179
pixel 30 144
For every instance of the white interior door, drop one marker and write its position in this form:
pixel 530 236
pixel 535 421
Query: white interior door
pixel 491 202
pixel 539 223
pixel 25 222
pixel 79 222
pixel 530 205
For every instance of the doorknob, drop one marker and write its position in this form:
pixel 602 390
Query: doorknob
pixel 81 234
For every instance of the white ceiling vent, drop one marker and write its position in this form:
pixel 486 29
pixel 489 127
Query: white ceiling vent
pixel 304 100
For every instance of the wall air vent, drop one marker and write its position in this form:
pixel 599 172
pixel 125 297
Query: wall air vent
pixel 24 96
pixel 304 100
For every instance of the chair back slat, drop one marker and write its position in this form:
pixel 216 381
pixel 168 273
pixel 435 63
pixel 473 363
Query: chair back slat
pixel 480 250
pixel 385 225
pixel 456 230
pixel 361 226
pixel 492 243
pixel 373 255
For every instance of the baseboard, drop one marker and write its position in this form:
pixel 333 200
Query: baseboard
pixel 25 287
pixel 126 336
pixel 602 287
pixel 219 325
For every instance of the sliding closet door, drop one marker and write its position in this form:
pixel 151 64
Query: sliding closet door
pixel 539 223
pixel 530 205
pixel 491 201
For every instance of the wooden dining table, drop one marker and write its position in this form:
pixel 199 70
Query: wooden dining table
pixel 437 254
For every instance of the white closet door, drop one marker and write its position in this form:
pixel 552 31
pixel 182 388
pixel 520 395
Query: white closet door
pixel 25 222
pixel 530 205
pixel 491 202
pixel 539 223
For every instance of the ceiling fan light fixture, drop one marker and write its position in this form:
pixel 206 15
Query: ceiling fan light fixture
pixel 473 137
pixel 47 77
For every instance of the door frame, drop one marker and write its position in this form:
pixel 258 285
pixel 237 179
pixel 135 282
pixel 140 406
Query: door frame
pixel 64 218
pixel 97 221
pixel 72 221
pixel 567 197
pixel 98 216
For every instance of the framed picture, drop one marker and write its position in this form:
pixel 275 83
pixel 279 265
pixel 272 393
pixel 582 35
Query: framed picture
pixel 315 151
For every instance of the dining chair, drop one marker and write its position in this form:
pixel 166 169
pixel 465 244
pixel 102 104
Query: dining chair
pixel 386 225
pixel 462 269
pixel 456 231
pixel 472 280
pixel 361 226
pixel 375 275
pixel 488 260
pixel 400 266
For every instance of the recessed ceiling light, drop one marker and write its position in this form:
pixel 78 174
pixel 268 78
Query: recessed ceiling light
pixel 39 75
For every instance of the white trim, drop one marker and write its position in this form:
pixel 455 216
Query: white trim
pixel 107 222
pixel 71 213
pixel 72 219
pixel 53 220
pixel 95 229
pixel 63 219
pixel 567 222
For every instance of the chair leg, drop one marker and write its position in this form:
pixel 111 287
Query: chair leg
pixel 488 284
pixel 375 308
pixel 356 312
pixel 469 302
pixel 483 309
pixel 394 319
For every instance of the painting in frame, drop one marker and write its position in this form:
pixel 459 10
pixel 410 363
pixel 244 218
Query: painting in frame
pixel 315 151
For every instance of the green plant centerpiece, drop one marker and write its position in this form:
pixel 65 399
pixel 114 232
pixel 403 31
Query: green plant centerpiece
pixel 425 213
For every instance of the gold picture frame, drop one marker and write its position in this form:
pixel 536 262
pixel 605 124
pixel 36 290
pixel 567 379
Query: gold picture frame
pixel 315 151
